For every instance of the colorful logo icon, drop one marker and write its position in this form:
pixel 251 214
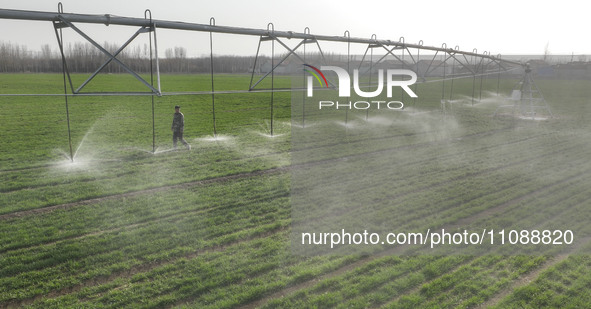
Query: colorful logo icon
pixel 315 75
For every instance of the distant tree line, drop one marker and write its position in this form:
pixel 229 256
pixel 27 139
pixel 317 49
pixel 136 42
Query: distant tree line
pixel 85 58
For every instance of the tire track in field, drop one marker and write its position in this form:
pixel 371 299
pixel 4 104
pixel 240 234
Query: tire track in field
pixel 26 168
pixel 504 206
pixel 396 250
pixel 50 165
pixel 517 282
pixel 533 275
pixel 192 183
pixel 147 222
pixel 346 268
pixel 157 219
pixel 225 178
pixel 106 177
pixel 530 276
pixel 171 217
pixel 139 269
pixel 342 270
pixel 247 174
pixel 184 185
pixel 420 286
pixel 462 177
pixel 520 281
pixel 306 284
pixel 285 291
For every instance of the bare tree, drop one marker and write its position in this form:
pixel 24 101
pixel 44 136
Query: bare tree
pixel 85 58
pixel 169 53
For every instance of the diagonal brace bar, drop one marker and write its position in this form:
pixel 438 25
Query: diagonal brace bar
pixel 390 51
pixel 141 30
pixel 439 65
pixel 467 67
pixel 291 52
pixel 104 51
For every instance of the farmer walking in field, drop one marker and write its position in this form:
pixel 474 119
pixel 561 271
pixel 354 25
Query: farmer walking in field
pixel 178 125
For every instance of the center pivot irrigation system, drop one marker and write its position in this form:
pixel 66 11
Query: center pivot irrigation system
pixel 470 64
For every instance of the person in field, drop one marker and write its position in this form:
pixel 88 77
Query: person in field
pixel 178 126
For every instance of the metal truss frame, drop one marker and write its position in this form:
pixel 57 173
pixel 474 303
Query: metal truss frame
pixel 63 22
pixel 61 19
pixel 478 66
pixel 529 98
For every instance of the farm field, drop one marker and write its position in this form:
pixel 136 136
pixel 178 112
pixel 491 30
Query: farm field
pixel 212 227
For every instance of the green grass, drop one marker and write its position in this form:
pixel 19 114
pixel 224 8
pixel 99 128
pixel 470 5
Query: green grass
pixel 211 228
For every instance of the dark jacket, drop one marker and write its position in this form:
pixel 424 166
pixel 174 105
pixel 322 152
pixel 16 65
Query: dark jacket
pixel 178 122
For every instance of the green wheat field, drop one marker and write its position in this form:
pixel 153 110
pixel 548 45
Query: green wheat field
pixel 123 226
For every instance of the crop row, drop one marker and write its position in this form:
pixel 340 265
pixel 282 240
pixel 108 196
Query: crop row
pixel 28 271
pixel 564 285
pixel 28 190
pixel 51 222
pixel 144 252
pixel 423 281
pixel 465 177
pixel 64 184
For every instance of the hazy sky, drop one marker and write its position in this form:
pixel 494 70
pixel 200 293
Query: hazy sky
pixel 500 26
